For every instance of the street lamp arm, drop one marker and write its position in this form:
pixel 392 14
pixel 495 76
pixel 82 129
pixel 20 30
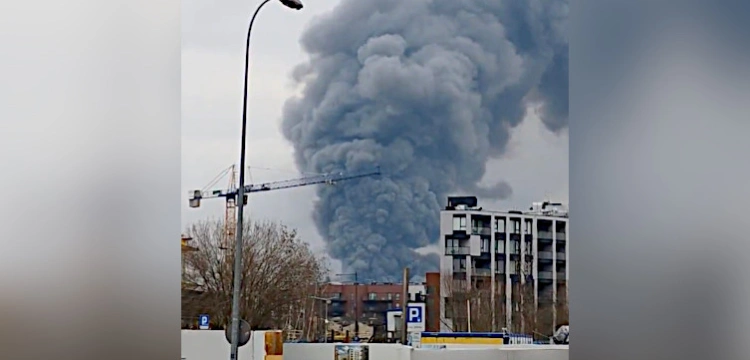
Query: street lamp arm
pixel 247 64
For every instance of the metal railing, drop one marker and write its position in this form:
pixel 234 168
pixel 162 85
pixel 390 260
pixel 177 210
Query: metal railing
pixel 481 231
pixel 457 250
pixel 545 275
pixel 483 272
pixel 546 255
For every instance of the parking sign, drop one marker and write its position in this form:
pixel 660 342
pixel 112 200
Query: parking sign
pixel 203 322
pixel 415 318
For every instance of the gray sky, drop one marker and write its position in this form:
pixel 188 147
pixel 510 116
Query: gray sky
pixel 536 166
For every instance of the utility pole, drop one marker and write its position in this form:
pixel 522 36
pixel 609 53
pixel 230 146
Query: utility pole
pixel 405 297
pixel 356 306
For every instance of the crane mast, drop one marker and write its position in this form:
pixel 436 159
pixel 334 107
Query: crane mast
pixel 230 211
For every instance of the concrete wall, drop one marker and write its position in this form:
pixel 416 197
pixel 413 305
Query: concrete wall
pixel 326 352
pixel 212 345
pixel 398 352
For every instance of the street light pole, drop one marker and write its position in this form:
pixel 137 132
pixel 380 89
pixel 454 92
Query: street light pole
pixel 237 276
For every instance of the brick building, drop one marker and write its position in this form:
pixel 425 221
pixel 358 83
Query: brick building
pixel 368 301
pixel 372 301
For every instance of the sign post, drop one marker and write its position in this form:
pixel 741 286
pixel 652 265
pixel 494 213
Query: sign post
pixel 415 322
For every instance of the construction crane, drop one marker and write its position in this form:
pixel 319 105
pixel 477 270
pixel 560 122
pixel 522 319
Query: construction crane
pixel 230 194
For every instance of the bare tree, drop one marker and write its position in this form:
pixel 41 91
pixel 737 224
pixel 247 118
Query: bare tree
pixel 545 314
pixel 279 275
pixel 528 309
pixel 561 305
pixel 476 296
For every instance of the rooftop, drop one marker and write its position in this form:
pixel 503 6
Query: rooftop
pixel 542 208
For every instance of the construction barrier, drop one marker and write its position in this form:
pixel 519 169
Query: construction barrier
pixel 473 338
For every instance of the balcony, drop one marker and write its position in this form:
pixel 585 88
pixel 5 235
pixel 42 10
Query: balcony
pixel 544 235
pixel 483 272
pixel 560 236
pixel 561 256
pixel 459 270
pixel 545 255
pixel 459 250
pixel 377 299
pixel 545 275
pixel 481 231
pixel 562 276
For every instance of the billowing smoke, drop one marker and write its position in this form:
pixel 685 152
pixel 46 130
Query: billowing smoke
pixel 428 90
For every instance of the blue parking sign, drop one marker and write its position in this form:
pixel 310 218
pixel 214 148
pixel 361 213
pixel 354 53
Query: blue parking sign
pixel 415 317
pixel 414 314
pixel 203 322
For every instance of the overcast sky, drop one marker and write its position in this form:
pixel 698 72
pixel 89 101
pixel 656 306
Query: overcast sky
pixel 536 165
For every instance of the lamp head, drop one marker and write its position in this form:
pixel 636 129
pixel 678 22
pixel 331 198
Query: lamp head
pixel 292 4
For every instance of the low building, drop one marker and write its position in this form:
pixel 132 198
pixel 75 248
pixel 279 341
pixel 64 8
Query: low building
pixel 368 302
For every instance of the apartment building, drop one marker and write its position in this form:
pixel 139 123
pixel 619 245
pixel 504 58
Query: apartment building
pixel 369 301
pixel 505 253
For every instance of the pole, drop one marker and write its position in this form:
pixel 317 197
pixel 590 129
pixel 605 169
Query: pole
pixel 468 315
pixel 326 315
pixel 405 297
pixel 356 306
pixel 237 281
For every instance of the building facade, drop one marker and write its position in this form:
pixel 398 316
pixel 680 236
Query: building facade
pixel 369 301
pixel 518 259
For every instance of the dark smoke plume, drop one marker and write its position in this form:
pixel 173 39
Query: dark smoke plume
pixel 428 90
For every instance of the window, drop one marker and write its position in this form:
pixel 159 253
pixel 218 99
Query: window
pixel 372 296
pixel 397 297
pixel 500 225
pixel 451 243
pixel 485 244
pixel 336 295
pixel 448 308
pixel 499 246
pixel 513 269
pixel 459 222
pixel 528 228
pixel 500 266
pixel 516 226
pixel 459 264
pixel 389 296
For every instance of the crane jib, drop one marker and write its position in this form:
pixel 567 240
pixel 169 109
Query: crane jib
pixel 232 193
